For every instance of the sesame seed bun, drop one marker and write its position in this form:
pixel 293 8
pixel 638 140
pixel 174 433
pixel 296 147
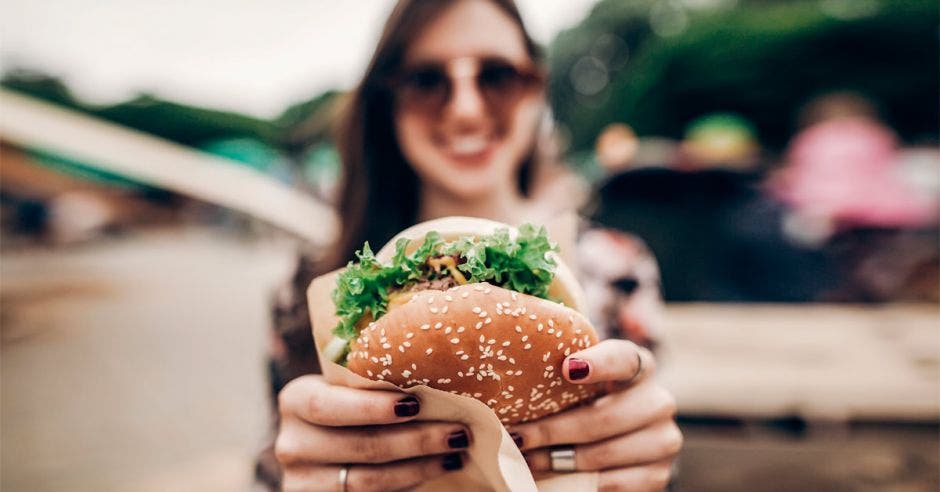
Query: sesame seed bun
pixel 501 347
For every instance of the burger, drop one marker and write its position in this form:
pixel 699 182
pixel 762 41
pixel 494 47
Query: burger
pixel 468 306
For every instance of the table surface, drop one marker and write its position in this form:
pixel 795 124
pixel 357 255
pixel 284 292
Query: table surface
pixel 818 362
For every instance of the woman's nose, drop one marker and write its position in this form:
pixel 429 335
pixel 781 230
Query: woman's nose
pixel 466 101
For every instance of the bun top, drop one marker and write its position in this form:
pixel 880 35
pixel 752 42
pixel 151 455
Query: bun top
pixel 564 286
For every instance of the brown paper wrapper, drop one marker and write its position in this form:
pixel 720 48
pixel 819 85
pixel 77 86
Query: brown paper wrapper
pixel 495 462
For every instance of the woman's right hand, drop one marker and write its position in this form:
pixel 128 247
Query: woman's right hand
pixel 324 427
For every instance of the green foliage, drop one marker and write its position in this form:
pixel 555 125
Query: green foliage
pixel 762 59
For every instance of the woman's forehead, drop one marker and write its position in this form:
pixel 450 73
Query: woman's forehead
pixel 470 28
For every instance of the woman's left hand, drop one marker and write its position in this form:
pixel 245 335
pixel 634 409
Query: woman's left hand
pixel 628 435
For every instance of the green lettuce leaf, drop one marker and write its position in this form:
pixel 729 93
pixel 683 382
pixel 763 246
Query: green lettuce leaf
pixel 522 264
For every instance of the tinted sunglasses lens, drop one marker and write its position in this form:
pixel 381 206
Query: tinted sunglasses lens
pixel 502 83
pixel 425 88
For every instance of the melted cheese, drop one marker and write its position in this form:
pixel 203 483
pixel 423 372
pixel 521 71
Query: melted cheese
pixel 451 265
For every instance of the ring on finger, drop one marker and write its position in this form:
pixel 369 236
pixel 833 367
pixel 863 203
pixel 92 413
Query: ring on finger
pixel 562 459
pixel 639 367
pixel 343 477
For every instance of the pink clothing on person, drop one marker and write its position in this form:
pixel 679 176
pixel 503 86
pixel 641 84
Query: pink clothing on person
pixel 844 171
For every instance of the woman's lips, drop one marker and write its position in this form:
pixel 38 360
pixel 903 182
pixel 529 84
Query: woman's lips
pixel 469 151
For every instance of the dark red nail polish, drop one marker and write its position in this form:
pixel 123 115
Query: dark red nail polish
pixel 458 439
pixel 452 462
pixel 578 369
pixel 407 407
pixel 516 438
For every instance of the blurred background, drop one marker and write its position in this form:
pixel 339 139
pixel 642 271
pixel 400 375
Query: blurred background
pixel 162 163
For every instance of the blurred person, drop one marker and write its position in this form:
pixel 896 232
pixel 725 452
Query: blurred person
pixel 845 190
pixel 448 120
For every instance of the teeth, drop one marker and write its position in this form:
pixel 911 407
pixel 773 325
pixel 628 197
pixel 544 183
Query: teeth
pixel 468 145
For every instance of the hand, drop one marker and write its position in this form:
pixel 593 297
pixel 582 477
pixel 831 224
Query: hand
pixel 629 435
pixel 324 427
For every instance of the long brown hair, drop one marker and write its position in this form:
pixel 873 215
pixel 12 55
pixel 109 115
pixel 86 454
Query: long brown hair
pixel 379 191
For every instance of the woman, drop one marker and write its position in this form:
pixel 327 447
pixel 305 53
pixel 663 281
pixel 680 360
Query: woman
pixel 446 122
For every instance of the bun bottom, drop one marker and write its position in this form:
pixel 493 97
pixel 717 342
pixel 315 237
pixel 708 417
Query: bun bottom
pixel 499 346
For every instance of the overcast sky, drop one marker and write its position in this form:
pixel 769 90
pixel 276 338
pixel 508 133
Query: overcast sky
pixel 253 56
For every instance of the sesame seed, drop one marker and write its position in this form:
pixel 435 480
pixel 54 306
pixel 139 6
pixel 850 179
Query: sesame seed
pixel 460 329
pixel 370 373
pixel 425 326
pixel 533 316
pixel 438 325
pixel 567 351
pixel 488 321
pixel 386 346
pixel 406 373
pixel 406 343
pixel 448 298
pixel 491 341
pixel 506 343
pixel 401 349
pixel 431 300
pixel 428 351
pixel 444 310
pixel 527 346
pixel 560 345
pixel 549 368
pixel 487 290
pixel 455 341
pixel 374 359
pixel 476 309
pixel 433 310
pixel 464 295
pixel 478 325
pixel 525 338
pixel 482 339
pixel 558 334
pixel 514 296
pixel 464 357
pixel 551 330
pixel 518 329
pixel 447 330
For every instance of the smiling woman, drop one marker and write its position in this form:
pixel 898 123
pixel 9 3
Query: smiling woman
pixel 449 120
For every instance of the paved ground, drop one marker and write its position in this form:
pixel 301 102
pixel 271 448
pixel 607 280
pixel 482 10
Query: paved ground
pixel 135 364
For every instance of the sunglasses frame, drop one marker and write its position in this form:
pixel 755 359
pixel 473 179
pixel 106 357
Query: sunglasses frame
pixel 525 80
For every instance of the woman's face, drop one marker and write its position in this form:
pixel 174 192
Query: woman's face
pixel 469 102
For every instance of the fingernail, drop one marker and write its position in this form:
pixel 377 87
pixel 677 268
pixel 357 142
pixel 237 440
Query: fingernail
pixel 516 438
pixel 407 407
pixel 458 439
pixel 452 462
pixel 578 369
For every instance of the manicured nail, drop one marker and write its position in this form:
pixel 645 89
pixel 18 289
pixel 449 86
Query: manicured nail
pixel 578 369
pixel 452 462
pixel 516 438
pixel 407 407
pixel 458 439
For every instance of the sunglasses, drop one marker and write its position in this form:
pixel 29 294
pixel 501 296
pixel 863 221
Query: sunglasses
pixel 428 87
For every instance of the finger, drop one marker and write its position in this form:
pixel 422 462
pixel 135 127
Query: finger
pixel 609 361
pixel 618 413
pixel 650 444
pixel 313 400
pixel 366 478
pixel 300 443
pixel 653 477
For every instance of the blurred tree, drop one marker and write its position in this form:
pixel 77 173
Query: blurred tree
pixel 658 65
